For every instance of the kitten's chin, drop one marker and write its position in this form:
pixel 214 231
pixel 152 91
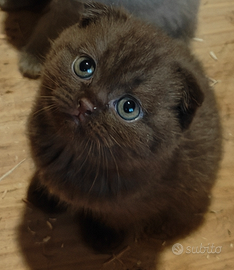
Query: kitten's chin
pixel 73 119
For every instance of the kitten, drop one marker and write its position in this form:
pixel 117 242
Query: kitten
pixel 176 18
pixel 124 129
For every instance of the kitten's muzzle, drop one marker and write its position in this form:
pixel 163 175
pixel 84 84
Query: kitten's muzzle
pixel 84 109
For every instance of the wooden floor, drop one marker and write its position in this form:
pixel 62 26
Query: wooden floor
pixel 32 240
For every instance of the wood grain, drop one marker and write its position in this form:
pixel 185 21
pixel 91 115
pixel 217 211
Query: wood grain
pixel 30 239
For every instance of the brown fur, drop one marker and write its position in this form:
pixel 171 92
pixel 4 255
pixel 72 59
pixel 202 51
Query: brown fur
pixel 152 175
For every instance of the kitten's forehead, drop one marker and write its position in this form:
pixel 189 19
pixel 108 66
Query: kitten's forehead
pixel 127 54
pixel 116 42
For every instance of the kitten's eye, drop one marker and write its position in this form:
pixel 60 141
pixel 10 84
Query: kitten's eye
pixel 128 108
pixel 84 67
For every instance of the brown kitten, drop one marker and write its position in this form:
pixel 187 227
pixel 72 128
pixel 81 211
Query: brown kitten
pixel 124 129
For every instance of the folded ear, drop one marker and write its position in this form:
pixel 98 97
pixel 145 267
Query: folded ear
pixel 191 96
pixel 93 11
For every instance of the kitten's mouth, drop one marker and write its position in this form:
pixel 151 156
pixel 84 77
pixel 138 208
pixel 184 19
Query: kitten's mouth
pixel 84 109
pixel 79 117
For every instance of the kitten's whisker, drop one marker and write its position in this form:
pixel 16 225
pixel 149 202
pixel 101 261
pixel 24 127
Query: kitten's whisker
pixel 48 87
pixel 105 162
pixel 64 99
pixel 67 94
pixel 49 97
pixel 87 154
pixel 47 108
pixel 98 167
pixel 113 138
pixel 89 167
pixel 42 56
pixel 59 88
pixel 114 159
pixel 51 79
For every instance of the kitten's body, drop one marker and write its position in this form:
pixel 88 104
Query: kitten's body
pixel 152 175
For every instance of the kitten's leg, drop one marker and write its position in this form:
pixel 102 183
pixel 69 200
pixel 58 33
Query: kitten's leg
pixel 30 64
pixel 40 197
pixel 47 29
pixel 33 54
pixel 100 237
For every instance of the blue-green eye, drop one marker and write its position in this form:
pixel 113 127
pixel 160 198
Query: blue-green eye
pixel 84 67
pixel 128 108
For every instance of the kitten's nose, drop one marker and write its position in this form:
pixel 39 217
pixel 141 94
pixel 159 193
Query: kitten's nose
pixel 85 106
pixel 84 109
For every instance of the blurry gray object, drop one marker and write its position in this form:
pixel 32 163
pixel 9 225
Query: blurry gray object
pixel 177 17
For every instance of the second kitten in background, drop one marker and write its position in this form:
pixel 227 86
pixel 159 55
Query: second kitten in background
pixel 177 18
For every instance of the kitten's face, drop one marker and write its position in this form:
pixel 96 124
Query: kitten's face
pixel 116 91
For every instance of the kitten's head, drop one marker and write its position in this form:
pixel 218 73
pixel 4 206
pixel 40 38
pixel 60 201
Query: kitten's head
pixel 122 94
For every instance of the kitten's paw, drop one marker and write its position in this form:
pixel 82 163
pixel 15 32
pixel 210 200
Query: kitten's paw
pixel 98 236
pixel 39 196
pixel 29 65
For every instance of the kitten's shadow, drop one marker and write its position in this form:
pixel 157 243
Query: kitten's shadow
pixel 53 242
